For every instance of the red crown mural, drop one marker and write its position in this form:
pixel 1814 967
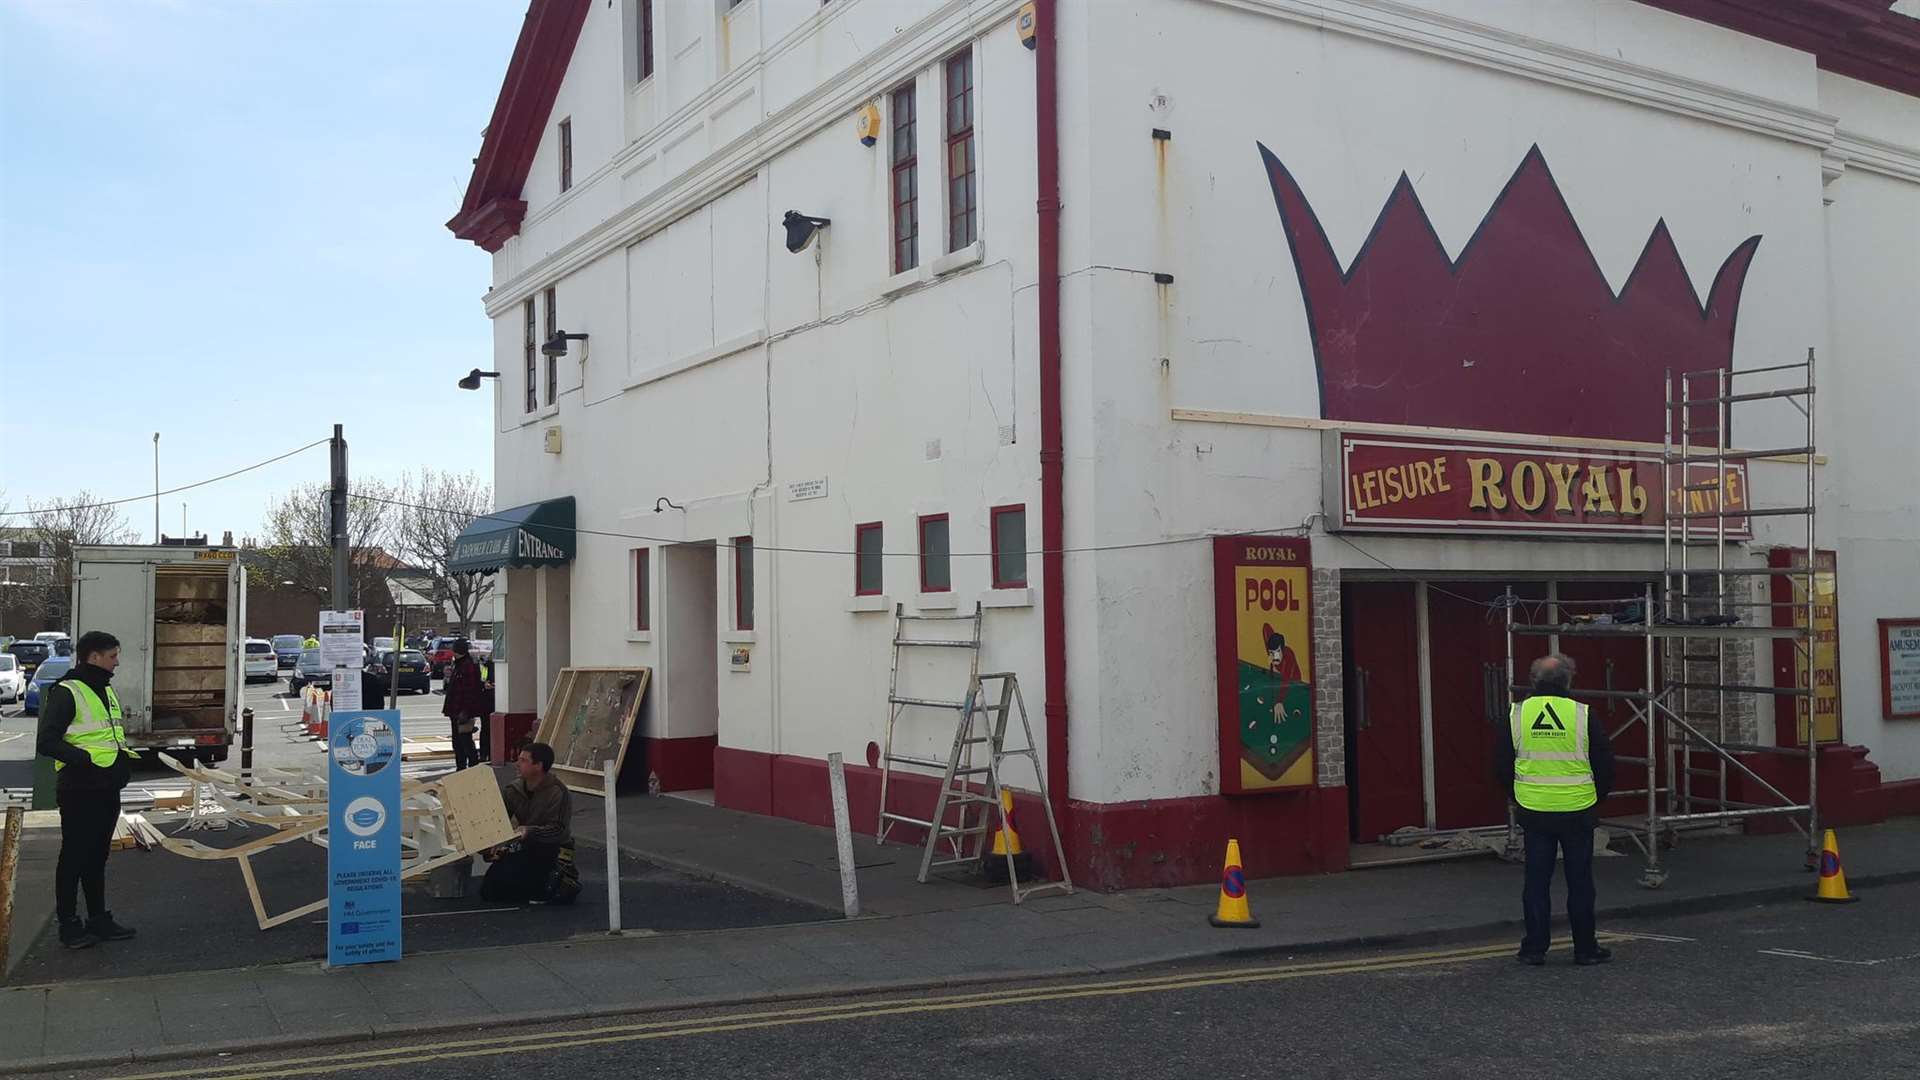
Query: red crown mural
pixel 1520 333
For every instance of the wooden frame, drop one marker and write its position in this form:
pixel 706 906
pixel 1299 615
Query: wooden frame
pixel 574 695
pixel 1887 626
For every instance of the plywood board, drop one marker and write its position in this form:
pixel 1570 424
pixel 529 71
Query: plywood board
pixel 476 815
pixel 589 721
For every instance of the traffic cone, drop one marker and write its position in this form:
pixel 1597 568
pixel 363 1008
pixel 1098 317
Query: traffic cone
pixel 1006 842
pixel 1833 880
pixel 1233 910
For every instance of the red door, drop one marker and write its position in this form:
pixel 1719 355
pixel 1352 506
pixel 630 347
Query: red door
pixel 1383 708
pixel 1609 664
pixel 1467 643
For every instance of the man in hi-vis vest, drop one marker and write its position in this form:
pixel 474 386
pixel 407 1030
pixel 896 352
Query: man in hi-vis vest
pixel 1560 764
pixel 80 730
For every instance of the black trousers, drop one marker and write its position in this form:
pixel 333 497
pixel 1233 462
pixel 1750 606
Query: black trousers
pixel 1572 835
pixel 519 876
pixel 87 819
pixel 464 753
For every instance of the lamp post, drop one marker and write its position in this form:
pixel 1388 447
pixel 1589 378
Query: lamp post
pixel 156 487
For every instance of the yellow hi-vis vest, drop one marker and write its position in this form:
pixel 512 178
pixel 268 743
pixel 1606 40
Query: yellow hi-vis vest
pixel 1551 770
pixel 96 724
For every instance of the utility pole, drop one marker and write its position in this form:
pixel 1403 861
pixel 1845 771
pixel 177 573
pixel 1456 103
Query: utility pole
pixel 156 487
pixel 337 522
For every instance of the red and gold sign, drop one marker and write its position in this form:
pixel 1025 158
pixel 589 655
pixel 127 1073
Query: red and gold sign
pixel 1391 484
pixel 1263 607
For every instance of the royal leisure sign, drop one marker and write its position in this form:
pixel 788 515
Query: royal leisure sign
pixel 1383 483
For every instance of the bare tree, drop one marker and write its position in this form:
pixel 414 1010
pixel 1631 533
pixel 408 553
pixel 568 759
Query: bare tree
pixel 295 549
pixel 60 525
pixel 440 507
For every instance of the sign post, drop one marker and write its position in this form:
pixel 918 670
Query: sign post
pixel 343 651
pixel 363 837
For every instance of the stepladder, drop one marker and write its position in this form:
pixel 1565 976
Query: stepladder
pixel 969 805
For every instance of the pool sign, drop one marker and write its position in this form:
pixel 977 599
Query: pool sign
pixel 363 837
pixel 1263 609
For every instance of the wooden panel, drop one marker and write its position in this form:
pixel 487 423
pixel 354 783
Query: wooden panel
pixel 589 721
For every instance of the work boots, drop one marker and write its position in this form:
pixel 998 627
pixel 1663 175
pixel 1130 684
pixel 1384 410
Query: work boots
pixel 103 927
pixel 75 935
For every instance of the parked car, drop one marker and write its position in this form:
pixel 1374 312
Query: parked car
pixel 48 673
pixel 13 681
pixel 382 644
pixel 51 635
pixel 30 654
pixel 287 647
pixel 262 664
pixel 482 648
pixel 310 671
pixel 413 671
pixel 440 656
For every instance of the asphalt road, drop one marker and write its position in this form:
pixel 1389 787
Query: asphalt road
pixel 1792 990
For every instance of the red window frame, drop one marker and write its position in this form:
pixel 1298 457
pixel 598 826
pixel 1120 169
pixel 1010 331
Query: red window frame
pixel 925 587
pixel 743 582
pixel 993 534
pixel 905 154
pixel 859 533
pixel 553 362
pixel 963 210
pixel 646 40
pixel 532 351
pixel 566 153
pixel 642 589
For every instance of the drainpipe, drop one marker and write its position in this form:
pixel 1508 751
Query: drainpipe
pixel 1053 532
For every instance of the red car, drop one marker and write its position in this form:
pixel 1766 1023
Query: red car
pixel 440 656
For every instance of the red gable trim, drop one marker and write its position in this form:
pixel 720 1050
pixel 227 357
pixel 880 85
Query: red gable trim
pixel 1861 39
pixel 492 209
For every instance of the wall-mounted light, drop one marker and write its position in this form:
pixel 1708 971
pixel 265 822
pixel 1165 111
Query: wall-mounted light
pixel 557 344
pixel 664 503
pixel 801 229
pixel 471 380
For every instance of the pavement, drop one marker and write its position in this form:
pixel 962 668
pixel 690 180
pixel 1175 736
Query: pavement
pixel 948 932
pixel 1791 990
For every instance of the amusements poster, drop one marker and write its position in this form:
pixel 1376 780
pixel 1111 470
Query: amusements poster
pixel 1264 636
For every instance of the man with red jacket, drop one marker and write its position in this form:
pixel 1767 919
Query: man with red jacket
pixel 464 706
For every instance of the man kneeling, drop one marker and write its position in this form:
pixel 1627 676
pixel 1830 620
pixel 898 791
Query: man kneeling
pixel 538 865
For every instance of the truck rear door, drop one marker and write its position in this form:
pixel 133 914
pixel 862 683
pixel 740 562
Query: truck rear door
pixel 118 597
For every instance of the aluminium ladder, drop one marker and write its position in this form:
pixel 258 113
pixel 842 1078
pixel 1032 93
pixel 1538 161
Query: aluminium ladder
pixel 977 723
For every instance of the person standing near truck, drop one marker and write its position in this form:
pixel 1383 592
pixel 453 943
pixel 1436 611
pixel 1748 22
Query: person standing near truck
pixel 463 706
pixel 80 730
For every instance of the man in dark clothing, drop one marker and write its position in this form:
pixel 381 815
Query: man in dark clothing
pixel 463 705
pixel 1558 765
pixel 542 809
pixel 80 730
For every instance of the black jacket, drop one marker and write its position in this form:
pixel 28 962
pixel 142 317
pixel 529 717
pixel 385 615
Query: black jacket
pixel 56 715
pixel 1599 756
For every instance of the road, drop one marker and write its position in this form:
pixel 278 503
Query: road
pixel 277 738
pixel 1792 990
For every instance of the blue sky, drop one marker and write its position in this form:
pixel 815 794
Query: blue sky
pixel 223 220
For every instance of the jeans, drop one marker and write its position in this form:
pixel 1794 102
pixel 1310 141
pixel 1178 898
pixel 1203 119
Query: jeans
pixel 87 819
pixel 1572 835
pixel 519 876
pixel 464 753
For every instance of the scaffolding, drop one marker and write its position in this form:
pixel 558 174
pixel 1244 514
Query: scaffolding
pixel 1701 607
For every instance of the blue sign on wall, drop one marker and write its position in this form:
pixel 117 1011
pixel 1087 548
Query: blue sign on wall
pixel 363 837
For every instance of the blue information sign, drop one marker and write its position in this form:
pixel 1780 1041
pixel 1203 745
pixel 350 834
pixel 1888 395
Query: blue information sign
pixel 363 837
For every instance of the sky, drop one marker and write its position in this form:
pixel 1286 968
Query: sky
pixel 224 221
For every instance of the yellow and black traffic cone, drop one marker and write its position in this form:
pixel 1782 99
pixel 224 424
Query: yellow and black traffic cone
pixel 1833 880
pixel 1232 910
pixel 1006 841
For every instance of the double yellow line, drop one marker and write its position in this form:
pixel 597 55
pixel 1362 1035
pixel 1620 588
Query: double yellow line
pixel 817 1014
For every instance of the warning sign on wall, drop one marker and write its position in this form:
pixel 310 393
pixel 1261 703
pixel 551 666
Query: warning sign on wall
pixel 1264 637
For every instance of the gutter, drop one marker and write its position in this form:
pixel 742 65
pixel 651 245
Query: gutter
pixel 1053 532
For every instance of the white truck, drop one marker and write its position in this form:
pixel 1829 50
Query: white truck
pixel 180 614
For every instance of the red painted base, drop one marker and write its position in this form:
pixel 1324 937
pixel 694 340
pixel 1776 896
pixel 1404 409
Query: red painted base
pixel 1850 789
pixel 681 764
pixel 1899 798
pixel 505 732
pixel 1116 845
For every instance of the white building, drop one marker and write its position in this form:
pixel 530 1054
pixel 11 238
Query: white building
pixel 1186 342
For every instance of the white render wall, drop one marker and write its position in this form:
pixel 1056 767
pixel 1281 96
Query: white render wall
pixel 818 366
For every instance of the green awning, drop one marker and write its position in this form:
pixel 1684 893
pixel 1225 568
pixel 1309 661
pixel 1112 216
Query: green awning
pixel 537 534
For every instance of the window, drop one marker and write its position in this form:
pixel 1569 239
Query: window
pixel 906 182
pixel 936 559
pixel 1009 547
pixel 646 39
pixel 867 577
pixel 743 582
pixel 532 350
pixel 963 211
pixel 553 362
pixel 566 153
pixel 642 590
